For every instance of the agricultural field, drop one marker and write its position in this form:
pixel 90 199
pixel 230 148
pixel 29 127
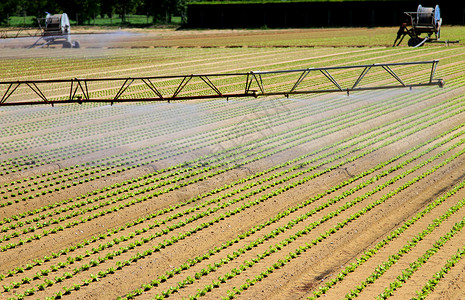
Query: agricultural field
pixel 312 196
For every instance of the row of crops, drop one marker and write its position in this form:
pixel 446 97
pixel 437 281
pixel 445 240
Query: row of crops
pixel 311 196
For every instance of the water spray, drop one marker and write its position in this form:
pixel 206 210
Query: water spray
pixel 79 90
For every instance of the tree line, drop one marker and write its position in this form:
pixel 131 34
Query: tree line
pixel 82 11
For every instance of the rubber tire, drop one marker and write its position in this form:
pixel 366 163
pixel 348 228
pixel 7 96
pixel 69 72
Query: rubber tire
pixel 412 42
pixel 76 44
pixel 67 44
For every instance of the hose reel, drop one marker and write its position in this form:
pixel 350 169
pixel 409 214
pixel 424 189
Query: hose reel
pixel 426 20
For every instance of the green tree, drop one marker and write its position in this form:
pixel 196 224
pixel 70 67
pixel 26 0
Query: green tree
pixel 7 7
pixel 39 8
pixel 161 10
pixel 80 10
pixel 125 7
pixel 107 7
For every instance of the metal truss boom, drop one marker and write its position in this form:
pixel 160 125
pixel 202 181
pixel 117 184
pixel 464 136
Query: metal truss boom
pixel 155 86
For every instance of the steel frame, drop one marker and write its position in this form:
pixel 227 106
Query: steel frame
pixel 19 33
pixel 79 87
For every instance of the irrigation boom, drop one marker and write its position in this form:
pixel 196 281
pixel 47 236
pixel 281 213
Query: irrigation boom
pixel 205 86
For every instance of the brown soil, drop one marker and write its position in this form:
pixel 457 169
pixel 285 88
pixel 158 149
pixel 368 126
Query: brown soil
pixel 190 186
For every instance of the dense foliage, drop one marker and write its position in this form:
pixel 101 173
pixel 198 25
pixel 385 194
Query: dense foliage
pixel 84 10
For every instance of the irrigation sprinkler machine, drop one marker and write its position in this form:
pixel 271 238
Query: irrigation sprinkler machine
pixel 425 21
pixel 55 29
pixel 255 84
